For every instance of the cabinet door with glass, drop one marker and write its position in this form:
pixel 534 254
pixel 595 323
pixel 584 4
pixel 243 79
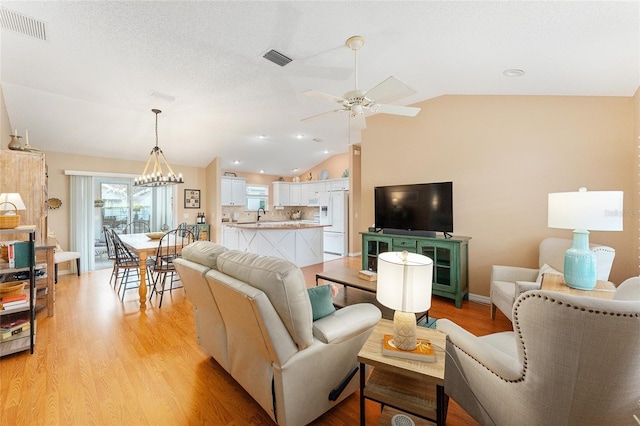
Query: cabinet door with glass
pixel 372 246
pixel 450 267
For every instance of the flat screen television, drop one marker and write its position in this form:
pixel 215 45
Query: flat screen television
pixel 416 209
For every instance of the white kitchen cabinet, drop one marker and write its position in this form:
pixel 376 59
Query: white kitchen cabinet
pixel 341 184
pixel 304 193
pixel 294 194
pixel 233 191
pixel 280 194
pixel 230 237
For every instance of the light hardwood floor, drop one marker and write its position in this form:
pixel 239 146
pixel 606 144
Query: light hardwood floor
pixel 100 361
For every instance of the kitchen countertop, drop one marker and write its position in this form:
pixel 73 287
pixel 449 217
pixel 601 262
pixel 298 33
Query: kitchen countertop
pixel 275 225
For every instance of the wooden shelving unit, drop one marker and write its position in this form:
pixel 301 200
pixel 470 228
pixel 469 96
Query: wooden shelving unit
pixel 26 339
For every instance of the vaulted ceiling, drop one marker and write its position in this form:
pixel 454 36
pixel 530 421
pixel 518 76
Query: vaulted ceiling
pixel 90 86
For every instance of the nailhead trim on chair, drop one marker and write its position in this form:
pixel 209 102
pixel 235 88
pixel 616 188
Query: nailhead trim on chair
pixel 488 369
pixel 516 327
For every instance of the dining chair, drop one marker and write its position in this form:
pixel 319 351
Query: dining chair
pixel 195 230
pixel 126 261
pixel 169 248
pixel 111 251
pixel 137 227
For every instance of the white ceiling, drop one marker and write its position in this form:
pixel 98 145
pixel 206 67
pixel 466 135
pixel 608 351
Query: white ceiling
pixel 87 88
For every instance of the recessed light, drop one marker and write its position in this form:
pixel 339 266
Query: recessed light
pixel 513 72
pixel 294 170
pixel 261 171
pixel 299 136
pixel 236 162
pixel 262 136
pixel 326 151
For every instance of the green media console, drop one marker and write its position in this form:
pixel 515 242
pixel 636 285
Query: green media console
pixel 450 259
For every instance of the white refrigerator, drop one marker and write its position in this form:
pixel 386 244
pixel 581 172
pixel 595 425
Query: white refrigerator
pixel 337 217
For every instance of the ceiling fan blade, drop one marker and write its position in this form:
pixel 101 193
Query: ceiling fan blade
pixel 358 121
pixel 323 95
pixel 389 90
pixel 397 110
pixel 313 117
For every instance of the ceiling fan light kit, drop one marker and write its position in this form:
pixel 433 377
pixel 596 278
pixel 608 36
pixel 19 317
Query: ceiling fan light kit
pixel 357 101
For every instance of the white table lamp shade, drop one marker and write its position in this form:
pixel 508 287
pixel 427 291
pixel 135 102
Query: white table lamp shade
pixel 13 198
pixel 588 210
pixel 404 285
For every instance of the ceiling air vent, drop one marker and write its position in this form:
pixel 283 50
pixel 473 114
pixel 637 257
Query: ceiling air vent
pixel 277 57
pixel 14 21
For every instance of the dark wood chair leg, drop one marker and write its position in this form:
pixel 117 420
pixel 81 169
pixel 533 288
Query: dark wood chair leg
pixel 78 265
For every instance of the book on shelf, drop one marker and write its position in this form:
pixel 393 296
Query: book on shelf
pixel 14 305
pixel 14 298
pixel 13 301
pixel 18 253
pixel 423 351
pixel 5 326
pixel 367 275
pixel 18 328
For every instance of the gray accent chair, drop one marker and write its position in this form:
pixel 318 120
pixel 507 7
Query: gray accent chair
pixel 508 282
pixel 571 360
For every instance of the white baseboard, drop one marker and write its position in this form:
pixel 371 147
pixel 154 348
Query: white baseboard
pixel 480 299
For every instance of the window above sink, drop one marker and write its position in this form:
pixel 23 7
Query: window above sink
pixel 257 197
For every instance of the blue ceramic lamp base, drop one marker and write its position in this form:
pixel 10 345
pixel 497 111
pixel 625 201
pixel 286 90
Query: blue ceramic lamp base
pixel 580 263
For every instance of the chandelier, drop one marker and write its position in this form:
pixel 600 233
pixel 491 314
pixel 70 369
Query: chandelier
pixel 157 176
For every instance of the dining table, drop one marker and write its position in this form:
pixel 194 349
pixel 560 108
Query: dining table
pixel 143 246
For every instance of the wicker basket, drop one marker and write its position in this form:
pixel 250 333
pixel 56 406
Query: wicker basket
pixel 10 221
pixel 8 289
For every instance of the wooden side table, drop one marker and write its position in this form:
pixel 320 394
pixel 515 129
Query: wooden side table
pixel 554 282
pixel 415 387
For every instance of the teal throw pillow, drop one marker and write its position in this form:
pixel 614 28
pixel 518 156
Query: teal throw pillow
pixel 321 303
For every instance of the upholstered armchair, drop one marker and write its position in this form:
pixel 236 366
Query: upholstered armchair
pixel 572 360
pixel 508 282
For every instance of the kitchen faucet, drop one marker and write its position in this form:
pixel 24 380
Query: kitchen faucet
pixel 263 211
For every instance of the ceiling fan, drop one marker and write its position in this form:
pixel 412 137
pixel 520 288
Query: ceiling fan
pixel 356 101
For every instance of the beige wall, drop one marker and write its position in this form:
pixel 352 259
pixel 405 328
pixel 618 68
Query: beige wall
pixel 5 124
pixel 335 166
pixel 194 177
pixel 504 154
pixel 634 210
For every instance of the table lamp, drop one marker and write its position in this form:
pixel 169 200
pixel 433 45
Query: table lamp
pixel 404 284
pixel 10 203
pixel 582 211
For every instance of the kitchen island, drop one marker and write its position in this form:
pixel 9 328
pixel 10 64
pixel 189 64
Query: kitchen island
pixel 296 241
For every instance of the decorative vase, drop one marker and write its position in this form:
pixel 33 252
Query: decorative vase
pixel 15 143
pixel 580 263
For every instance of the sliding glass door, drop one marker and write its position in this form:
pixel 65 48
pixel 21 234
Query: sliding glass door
pixel 118 203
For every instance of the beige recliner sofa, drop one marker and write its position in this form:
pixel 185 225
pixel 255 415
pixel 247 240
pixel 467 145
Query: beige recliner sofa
pixel 253 315
pixel 508 282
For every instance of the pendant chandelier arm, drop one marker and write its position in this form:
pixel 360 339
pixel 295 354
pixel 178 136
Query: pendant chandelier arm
pixel 169 169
